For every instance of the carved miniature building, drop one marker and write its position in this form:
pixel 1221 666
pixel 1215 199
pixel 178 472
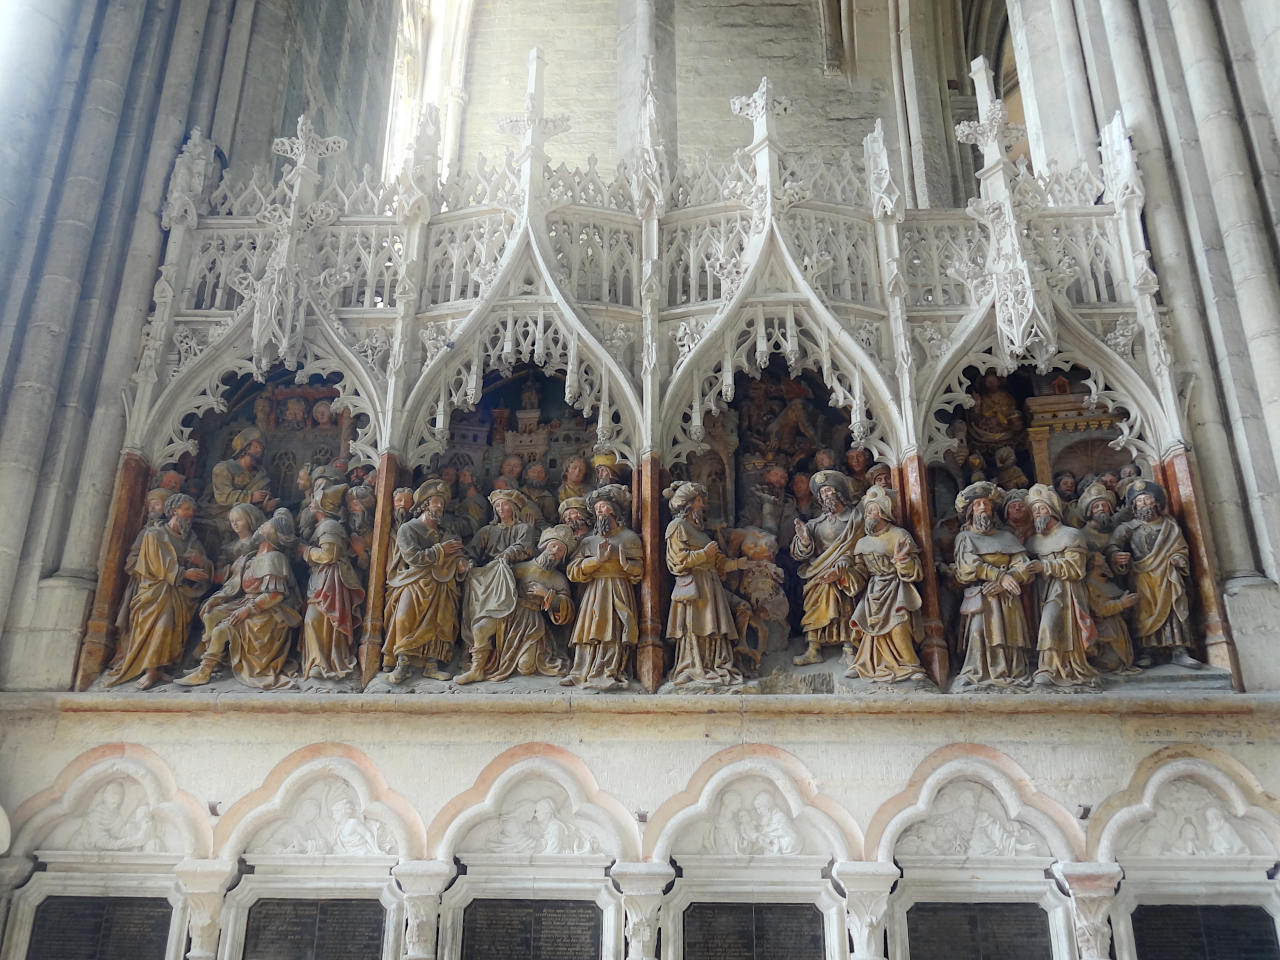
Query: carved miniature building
pixel 648 479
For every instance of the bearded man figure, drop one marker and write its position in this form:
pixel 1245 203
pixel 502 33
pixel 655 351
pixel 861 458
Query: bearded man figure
pixel 701 622
pixel 423 590
pixel 991 564
pixel 825 547
pixel 238 480
pixel 888 612
pixel 1152 551
pixel 573 511
pixel 523 639
pixel 609 562
pixel 1061 561
pixel 334 593
pixel 168 574
pixel 1098 505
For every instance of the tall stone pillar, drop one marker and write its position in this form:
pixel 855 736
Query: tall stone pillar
pixel 203 884
pixel 653 594
pixel 123 523
pixel 646 32
pixel 422 882
pixel 371 641
pixel 642 885
pixel 919 519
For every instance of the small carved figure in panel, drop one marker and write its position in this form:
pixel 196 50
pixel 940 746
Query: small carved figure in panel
pixel 169 572
pixel 334 593
pixel 610 562
pixel 1064 485
pixel 991 564
pixel 701 622
pixel 423 588
pixel 1151 550
pixel 573 512
pixel 995 419
pixel 1059 561
pixel 887 616
pixel 825 547
pixel 758 580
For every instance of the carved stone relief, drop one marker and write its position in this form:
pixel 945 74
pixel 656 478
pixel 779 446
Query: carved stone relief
pixel 536 818
pixel 325 819
pixel 968 820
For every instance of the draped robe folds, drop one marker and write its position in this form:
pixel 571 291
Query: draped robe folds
pixel 334 595
pixel 421 616
pixel 607 628
pixel 993 628
pixel 888 612
pixel 701 619
pixel 1066 625
pixel 1163 611
pixel 828 607
pixel 259 645
pixel 1105 602
pixel 162 602
pixel 523 640
pixel 491 587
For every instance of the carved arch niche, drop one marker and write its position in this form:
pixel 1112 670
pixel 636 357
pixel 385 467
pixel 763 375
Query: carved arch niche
pixel 534 827
pixel 1194 832
pixel 972 829
pixel 752 828
pixel 113 825
pixel 324 825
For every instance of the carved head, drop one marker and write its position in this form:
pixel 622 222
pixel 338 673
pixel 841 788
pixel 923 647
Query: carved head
pixel 449 475
pixel 402 499
pixel 171 480
pixel 322 413
pixel 1064 481
pixel 880 475
pixel 824 459
pixel 857 460
pixel 775 477
pixel 535 475
pixel 512 467
pixel 800 486
pixel 575 471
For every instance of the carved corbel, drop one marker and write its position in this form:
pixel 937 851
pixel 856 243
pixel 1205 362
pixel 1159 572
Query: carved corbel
pixel 642 886
pixel 423 881
pixel 203 884
pixel 867 886
pixel 1092 887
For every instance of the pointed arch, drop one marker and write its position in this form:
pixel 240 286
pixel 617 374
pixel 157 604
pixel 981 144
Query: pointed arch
pixel 749 328
pixel 534 785
pixel 739 777
pixel 522 316
pixel 1187 800
pixel 975 801
pixel 118 798
pixel 295 811
pixel 155 424
pixel 1150 429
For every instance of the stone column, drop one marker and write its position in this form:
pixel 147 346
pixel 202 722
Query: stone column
pixel 653 588
pixel 371 641
pixel 646 31
pixel 1092 887
pixel 14 872
pixel 867 885
pixel 123 523
pixel 422 882
pixel 1235 199
pixel 919 519
pixel 1055 91
pixel 24 430
pixel 203 884
pixel 642 886
pixel 209 71
pixel 1220 649
pixel 232 79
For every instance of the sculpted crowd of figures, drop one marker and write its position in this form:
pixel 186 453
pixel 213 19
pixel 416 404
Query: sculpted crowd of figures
pixel 1037 585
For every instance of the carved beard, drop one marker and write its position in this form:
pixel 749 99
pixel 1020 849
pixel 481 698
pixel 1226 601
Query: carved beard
pixel 400 515
pixel 1042 524
pixel 255 459
pixel 697 518
pixel 982 523
pixel 434 516
pixel 876 524
pixel 1102 522
pixel 545 560
pixel 183 525
pixel 604 524
pixel 1147 514
pixel 835 505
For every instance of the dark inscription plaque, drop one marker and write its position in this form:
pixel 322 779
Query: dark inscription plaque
pixel 746 931
pixel 314 930
pixel 531 930
pixel 978 931
pixel 1180 932
pixel 100 928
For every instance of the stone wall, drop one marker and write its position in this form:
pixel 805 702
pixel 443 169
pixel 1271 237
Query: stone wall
pixel 581 77
pixel 329 58
pixel 724 47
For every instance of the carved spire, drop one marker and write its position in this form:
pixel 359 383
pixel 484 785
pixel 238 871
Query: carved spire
pixel 534 128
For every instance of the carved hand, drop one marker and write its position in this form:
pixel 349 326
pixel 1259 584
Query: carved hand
pixel 1179 562
pixel 258 496
pixel 1120 560
pixel 1010 585
pixel 1035 566
pixel 1129 601
pixel 241 614
pixel 196 575
pixel 451 548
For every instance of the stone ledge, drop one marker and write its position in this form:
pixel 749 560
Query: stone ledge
pixel 1145 703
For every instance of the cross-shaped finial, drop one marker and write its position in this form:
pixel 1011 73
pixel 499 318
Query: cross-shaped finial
pixel 533 126
pixel 992 131
pixel 306 150
pixel 761 108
